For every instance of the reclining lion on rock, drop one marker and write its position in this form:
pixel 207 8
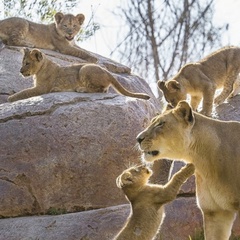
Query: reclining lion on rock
pixel 213 147
pixel 147 200
pixel 56 36
pixel 50 77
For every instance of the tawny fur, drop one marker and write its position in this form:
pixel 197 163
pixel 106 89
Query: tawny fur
pixel 201 80
pixel 50 77
pixel 147 200
pixel 213 147
pixel 58 36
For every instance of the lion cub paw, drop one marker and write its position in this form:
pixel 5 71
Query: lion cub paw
pixel 190 168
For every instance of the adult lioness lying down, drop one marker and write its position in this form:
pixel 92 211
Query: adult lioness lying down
pixel 50 77
pixel 213 147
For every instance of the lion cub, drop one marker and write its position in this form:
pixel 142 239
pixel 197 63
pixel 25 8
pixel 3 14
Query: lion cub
pixel 50 77
pixel 147 200
pixel 218 70
pixel 56 36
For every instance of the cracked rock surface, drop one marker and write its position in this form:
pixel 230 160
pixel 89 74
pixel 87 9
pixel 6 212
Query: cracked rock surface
pixel 63 151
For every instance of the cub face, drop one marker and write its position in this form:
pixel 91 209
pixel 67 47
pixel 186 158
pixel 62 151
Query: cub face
pixel 172 91
pixel 68 25
pixel 32 62
pixel 134 176
pixel 168 135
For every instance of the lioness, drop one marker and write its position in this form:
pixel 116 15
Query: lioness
pixel 201 79
pixel 58 36
pixel 213 147
pixel 147 200
pixel 50 77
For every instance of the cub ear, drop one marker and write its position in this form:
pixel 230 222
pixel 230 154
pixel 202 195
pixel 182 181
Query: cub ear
pixel 80 17
pixel 25 51
pixel 36 55
pixel 184 111
pixel 169 106
pixel 173 86
pixel 161 84
pixel 58 17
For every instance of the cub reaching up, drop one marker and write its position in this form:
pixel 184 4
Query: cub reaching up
pixel 58 36
pixel 50 77
pixel 147 200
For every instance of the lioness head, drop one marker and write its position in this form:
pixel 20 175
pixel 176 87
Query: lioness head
pixel 68 25
pixel 134 177
pixel 172 91
pixel 168 134
pixel 32 62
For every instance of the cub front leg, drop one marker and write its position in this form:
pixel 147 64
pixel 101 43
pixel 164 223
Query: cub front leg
pixel 218 224
pixel 227 88
pixel 27 93
pixel 208 97
pixel 77 52
pixel 195 101
pixel 171 189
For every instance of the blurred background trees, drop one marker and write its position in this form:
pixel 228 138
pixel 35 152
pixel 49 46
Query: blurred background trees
pixel 159 36
pixel 164 35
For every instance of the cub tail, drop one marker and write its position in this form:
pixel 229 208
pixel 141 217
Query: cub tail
pixel 122 90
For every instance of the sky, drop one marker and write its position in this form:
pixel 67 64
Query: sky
pixel 108 36
pixel 106 39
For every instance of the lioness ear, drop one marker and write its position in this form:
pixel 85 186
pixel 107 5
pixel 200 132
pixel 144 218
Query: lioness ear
pixel 80 18
pixel 58 17
pixel 172 86
pixel 183 110
pixel 36 55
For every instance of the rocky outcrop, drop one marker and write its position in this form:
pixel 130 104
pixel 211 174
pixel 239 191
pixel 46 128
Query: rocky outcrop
pixel 63 151
pixel 183 219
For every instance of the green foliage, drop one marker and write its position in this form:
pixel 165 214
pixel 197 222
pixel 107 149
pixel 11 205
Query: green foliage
pixel 88 31
pixel 56 211
pixel 37 10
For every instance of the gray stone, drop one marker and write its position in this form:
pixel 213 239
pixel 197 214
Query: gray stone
pixel 63 151
pixel 102 224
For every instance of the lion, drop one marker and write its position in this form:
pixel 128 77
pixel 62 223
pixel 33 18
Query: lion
pixel 213 147
pixel 58 36
pixel 201 79
pixel 147 200
pixel 50 77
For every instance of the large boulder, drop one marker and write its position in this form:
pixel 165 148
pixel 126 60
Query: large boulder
pixel 63 151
